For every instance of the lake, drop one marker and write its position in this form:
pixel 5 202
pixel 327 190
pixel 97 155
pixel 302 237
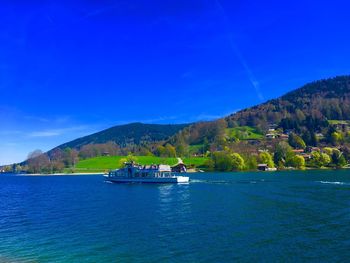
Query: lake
pixel 218 217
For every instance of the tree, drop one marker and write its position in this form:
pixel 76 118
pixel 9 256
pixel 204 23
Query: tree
pixel 131 158
pixel 338 158
pixel 160 151
pixel 71 157
pixel 17 168
pixel 57 166
pixel 298 162
pixel 74 157
pixel 251 162
pixel 38 162
pixel 325 159
pixel 206 145
pixel 347 136
pixel 316 159
pixel 320 159
pixel 336 138
pixel 145 152
pixel 296 142
pixel 346 152
pixel 283 154
pixel 309 138
pixel 328 150
pixel 181 149
pixel 170 150
pixel 122 162
pixel 222 161
pixel 300 116
pixel 237 161
pixel 266 158
pixel 209 165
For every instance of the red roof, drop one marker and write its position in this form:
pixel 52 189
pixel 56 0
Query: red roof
pixel 298 150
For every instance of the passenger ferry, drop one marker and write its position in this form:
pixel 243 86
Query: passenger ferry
pixel 135 173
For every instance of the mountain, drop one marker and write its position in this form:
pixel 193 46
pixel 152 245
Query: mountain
pixel 327 99
pixel 306 111
pixel 129 134
pixel 307 108
pixel 317 114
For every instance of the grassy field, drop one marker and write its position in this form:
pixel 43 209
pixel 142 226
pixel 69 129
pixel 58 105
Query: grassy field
pixel 244 133
pixel 103 163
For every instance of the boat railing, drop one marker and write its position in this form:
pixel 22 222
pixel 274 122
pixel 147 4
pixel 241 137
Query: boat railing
pixel 164 174
pixel 142 173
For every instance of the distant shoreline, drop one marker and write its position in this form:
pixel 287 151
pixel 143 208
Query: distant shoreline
pixel 59 174
pixel 246 171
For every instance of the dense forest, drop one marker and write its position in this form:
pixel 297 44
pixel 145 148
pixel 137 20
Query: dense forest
pixel 306 127
pixel 128 134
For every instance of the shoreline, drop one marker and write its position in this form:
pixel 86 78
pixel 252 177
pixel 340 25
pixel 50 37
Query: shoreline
pixel 246 171
pixel 59 174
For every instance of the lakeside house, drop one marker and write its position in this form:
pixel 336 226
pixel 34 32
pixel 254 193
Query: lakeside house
pixel 272 126
pixel 341 125
pixel 306 156
pixel 319 136
pixel 271 136
pixel 180 167
pixel 310 149
pixel 283 136
pixel 298 151
pixel 264 167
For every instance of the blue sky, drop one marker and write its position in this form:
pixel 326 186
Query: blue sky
pixel 70 68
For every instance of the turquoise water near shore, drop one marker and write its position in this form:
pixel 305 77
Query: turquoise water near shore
pixel 218 217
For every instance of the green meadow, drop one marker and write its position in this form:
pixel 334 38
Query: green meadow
pixel 244 133
pixel 104 163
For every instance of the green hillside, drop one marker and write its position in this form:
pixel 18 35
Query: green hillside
pixel 315 115
pixel 327 99
pixel 244 133
pixel 129 134
pixel 305 111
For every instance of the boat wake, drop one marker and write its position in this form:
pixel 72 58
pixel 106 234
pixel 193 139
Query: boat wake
pixel 197 181
pixel 107 182
pixel 229 181
pixel 334 183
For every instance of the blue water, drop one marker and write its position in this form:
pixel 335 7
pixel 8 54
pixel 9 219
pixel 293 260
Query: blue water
pixel 245 217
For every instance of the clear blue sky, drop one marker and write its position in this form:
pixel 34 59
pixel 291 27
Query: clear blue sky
pixel 69 68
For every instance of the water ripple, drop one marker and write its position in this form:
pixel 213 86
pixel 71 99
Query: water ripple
pixel 215 218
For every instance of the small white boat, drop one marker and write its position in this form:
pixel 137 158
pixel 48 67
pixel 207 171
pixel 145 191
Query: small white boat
pixel 133 173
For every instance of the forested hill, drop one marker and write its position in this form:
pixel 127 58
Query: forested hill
pixel 322 100
pixel 306 111
pixel 315 115
pixel 307 108
pixel 129 134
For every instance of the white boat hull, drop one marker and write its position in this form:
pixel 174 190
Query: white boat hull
pixel 151 180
